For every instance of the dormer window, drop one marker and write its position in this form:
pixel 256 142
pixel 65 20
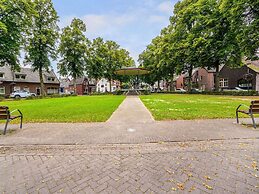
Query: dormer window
pixel 51 79
pixel 1 75
pixel 20 76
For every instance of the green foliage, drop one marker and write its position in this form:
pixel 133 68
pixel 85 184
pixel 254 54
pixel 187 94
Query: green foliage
pixel 73 50
pixel 159 58
pixel 70 109
pixel 193 106
pixel 15 19
pixel 244 17
pixel 42 38
pixel 204 33
pixel 106 58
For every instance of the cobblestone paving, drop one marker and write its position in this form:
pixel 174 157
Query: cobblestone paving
pixel 229 166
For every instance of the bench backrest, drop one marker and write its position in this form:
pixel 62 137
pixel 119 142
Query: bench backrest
pixel 4 113
pixel 254 107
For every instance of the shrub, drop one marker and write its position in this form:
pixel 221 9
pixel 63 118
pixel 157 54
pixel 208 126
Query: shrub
pixel 118 92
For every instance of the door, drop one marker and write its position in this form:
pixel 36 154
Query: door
pixel 38 91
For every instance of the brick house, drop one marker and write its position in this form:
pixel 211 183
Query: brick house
pixel 245 77
pixel 27 79
pixel 84 85
pixel 203 79
pixel 179 82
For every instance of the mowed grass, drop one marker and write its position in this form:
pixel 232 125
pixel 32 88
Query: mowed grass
pixel 70 109
pixel 189 107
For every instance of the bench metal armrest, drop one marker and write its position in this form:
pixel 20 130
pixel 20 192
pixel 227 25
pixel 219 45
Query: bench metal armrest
pixel 242 105
pixel 16 110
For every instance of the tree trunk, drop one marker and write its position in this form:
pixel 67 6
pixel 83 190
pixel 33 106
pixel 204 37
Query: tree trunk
pixel 42 88
pixel 110 85
pixel 158 83
pixel 75 89
pixel 189 87
pixel 172 84
pixel 217 78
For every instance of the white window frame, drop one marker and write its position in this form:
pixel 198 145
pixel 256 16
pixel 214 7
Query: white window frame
pixel 16 88
pixel 223 82
pixel 2 88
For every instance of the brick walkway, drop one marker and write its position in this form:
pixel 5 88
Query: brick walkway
pixel 151 157
pixel 197 167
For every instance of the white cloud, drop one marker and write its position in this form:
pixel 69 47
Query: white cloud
pixel 166 7
pixel 132 29
pixel 98 25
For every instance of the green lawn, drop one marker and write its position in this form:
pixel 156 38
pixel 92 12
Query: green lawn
pixel 187 107
pixel 70 109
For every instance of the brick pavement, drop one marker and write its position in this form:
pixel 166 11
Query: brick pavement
pixel 183 167
pixel 203 156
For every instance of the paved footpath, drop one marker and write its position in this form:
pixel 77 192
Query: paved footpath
pixel 131 153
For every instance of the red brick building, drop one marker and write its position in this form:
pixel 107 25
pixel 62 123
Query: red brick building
pixel 203 79
pixel 84 86
pixel 27 79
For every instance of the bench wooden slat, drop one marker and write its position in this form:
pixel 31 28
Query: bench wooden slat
pixel 254 106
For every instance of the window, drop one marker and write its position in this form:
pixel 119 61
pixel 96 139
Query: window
pixel 52 91
pixel 26 89
pixel 1 75
pixel 20 76
pixel 16 88
pixel 2 90
pixel 52 79
pixel 223 82
pixel 201 78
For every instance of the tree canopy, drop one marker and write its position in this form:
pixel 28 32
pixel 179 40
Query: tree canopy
pixel 15 19
pixel 204 33
pixel 42 38
pixel 73 50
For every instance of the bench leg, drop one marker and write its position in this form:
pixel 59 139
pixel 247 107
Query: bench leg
pixel 6 124
pixel 237 117
pixel 21 123
pixel 253 119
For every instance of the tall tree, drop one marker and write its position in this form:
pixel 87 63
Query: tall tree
pixel 209 41
pixel 159 58
pixel 42 38
pixel 74 50
pixel 244 19
pixel 96 63
pixel 15 19
pixel 106 58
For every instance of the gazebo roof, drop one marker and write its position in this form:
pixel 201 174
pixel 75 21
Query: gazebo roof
pixel 132 71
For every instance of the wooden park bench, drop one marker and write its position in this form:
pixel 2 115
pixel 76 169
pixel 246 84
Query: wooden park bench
pixel 251 111
pixel 5 114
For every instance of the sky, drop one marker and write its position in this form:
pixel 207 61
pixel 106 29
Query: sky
pixel 131 23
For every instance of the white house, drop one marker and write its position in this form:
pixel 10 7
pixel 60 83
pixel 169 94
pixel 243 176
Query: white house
pixel 103 85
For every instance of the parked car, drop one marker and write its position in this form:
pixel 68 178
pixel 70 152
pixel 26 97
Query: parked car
pixel 240 89
pixel 180 90
pixel 21 94
pixel 195 91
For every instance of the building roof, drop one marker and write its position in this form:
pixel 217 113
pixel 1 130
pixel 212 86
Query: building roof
pixel 30 75
pixel 79 81
pixel 254 65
